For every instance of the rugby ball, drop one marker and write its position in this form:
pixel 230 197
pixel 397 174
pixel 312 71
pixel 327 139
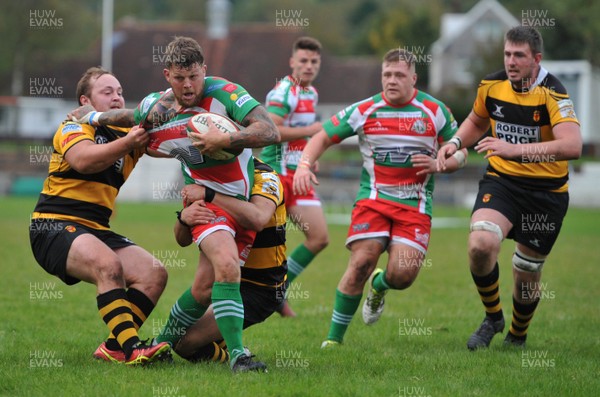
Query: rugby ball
pixel 199 124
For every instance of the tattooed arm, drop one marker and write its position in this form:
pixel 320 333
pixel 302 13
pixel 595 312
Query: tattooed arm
pixel 87 115
pixel 162 111
pixel 117 117
pixel 260 130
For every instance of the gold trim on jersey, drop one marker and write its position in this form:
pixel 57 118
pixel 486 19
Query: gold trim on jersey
pixel 275 286
pixel 67 218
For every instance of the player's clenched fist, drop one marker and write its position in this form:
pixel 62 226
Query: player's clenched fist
pixel 82 115
pixel 138 138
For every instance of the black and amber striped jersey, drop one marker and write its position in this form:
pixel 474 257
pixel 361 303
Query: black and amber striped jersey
pixel 88 199
pixel 526 117
pixel 266 264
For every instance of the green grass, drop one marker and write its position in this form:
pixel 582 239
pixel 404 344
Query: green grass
pixel 416 349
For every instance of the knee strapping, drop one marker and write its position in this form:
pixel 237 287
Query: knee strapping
pixel 527 263
pixel 487 227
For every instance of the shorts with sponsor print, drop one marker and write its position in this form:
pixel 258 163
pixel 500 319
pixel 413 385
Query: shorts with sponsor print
pixel 291 199
pixel 223 221
pixel 379 219
pixel 536 215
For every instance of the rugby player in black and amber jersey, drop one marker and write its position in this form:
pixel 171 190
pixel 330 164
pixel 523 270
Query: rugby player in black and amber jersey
pixel 263 276
pixel 70 233
pixel 524 193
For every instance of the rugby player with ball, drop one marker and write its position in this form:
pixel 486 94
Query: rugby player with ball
pixel 166 115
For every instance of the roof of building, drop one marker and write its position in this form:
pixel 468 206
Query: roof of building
pixel 254 55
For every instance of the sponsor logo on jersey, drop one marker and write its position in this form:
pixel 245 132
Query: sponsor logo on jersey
pixel 213 88
pixel 233 97
pixel 515 133
pixel 100 140
pixel 399 115
pixel 70 138
pixel 486 198
pixel 243 99
pixel 376 126
pixel 230 87
pixel 270 187
pixel 72 127
pixel 566 109
pixel 498 111
pixel 398 154
pixel 305 106
pixel 335 121
pixel 536 115
pixel 119 165
pixel 70 229
pixel 419 127
pixel 146 103
pixel 535 242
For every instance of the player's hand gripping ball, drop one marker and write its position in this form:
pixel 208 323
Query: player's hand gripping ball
pixel 199 124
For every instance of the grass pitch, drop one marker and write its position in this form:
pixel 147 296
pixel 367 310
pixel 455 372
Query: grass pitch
pixel 418 347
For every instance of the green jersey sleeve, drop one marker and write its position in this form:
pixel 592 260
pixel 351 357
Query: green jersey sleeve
pixel 140 114
pixel 233 97
pixel 339 126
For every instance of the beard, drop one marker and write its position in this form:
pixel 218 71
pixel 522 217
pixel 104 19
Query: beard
pixel 188 102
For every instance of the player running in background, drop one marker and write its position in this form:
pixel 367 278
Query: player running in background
pixel 400 131
pixel 524 193
pixel 291 105
pixel 70 233
pixel 263 275
pixel 223 242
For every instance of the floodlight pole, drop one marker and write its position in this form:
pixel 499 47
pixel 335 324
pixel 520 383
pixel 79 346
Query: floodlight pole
pixel 107 33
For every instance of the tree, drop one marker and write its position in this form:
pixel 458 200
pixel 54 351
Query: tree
pixel 37 32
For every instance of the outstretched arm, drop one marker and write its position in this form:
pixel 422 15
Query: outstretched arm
pixel 87 157
pixel 303 177
pixel 87 115
pixel 429 164
pixel 468 133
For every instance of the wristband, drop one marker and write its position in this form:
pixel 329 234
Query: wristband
pixel 209 194
pixel 457 141
pixel 304 163
pixel 460 157
pixel 181 220
pixel 94 117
